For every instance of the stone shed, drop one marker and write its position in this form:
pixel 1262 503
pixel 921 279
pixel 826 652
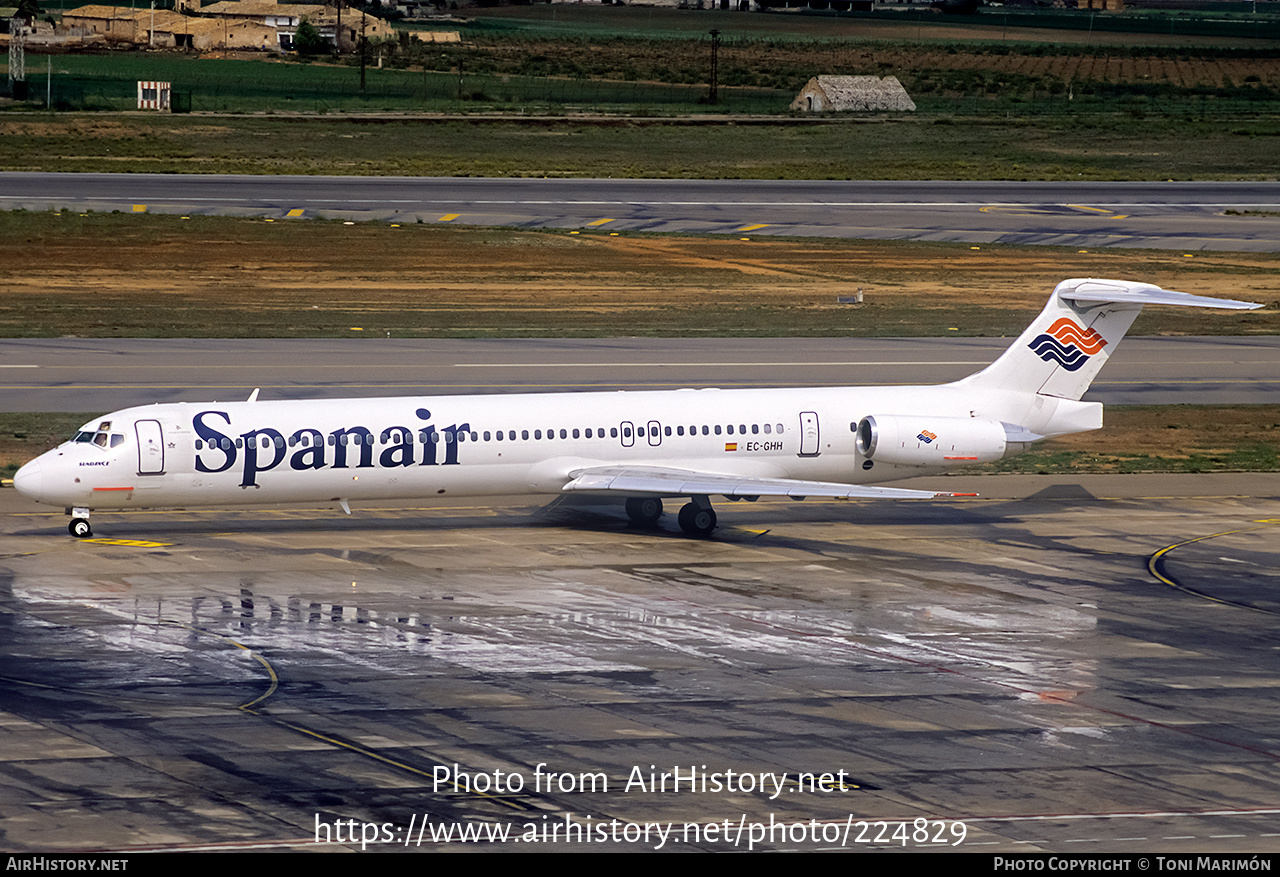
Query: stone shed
pixel 830 94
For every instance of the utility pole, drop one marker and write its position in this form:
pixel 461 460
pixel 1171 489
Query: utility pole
pixel 363 46
pixel 17 59
pixel 715 66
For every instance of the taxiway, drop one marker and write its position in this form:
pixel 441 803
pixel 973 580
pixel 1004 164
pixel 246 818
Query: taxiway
pixel 1163 215
pixel 99 375
pixel 238 679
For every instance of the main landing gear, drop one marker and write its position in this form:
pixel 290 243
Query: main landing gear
pixel 644 511
pixel 697 517
pixel 79 526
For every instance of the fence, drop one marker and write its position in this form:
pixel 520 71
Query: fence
pixel 110 83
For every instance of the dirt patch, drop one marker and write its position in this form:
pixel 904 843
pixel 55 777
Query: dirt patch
pixel 64 128
pixel 145 276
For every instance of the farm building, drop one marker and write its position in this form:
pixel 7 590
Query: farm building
pixel 830 94
pixel 226 25
pixel 210 33
pixel 120 25
pixel 285 18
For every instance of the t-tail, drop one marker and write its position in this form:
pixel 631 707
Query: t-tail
pixel 1062 351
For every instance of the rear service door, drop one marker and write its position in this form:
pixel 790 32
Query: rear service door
pixel 809 446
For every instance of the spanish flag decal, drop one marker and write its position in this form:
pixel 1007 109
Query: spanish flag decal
pixel 730 446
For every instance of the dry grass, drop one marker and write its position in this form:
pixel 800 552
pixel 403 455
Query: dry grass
pixel 154 276
pixel 125 275
pixel 1163 438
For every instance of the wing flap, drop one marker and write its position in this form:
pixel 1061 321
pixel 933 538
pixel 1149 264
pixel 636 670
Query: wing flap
pixel 657 481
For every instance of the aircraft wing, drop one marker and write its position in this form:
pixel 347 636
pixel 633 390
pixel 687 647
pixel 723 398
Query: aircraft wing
pixel 657 481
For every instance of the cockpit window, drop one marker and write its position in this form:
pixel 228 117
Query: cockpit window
pixel 102 438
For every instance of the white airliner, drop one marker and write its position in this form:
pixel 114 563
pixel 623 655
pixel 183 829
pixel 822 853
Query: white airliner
pixel 641 447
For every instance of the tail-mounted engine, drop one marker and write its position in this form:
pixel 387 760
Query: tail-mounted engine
pixel 938 441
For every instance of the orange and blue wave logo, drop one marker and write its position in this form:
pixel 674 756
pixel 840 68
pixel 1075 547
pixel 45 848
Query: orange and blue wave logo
pixel 926 436
pixel 1067 343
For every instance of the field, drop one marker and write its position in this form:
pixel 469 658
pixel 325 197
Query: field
pixel 618 91
pixel 1229 24
pixel 109 275
pixel 569 90
pixel 567 58
pixel 980 63
pixel 135 275
pixel 918 148
pixel 1162 438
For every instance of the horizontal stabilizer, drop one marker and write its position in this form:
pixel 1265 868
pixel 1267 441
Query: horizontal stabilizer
pixel 656 481
pixel 1146 294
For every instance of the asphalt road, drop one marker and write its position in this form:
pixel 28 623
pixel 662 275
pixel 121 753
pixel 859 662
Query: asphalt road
pixel 93 375
pixel 1172 215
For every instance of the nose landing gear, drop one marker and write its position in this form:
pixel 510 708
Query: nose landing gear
pixel 79 526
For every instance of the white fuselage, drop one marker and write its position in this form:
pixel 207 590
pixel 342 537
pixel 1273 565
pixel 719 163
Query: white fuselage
pixel 351 449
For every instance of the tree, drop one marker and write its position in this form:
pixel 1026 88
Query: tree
pixel 28 9
pixel 308 41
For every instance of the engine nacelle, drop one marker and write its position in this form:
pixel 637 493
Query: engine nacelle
pixel 924 440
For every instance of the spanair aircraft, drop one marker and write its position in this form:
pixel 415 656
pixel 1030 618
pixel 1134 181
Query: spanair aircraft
pixel 641 447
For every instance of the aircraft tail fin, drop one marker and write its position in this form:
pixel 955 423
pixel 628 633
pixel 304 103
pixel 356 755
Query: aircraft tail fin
pixel 1063 349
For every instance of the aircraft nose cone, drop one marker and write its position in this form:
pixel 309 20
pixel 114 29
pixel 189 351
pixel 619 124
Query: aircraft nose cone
pixel 29 480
